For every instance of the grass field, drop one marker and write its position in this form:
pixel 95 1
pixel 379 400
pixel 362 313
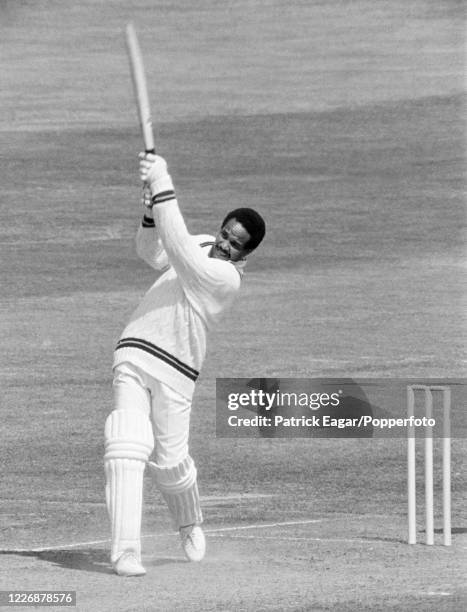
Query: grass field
pixel 343 123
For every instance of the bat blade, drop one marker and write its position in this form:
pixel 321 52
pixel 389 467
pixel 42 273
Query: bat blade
pixel 140 88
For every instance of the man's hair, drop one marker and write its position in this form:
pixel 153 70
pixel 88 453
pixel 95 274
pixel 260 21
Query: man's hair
pixel 252 221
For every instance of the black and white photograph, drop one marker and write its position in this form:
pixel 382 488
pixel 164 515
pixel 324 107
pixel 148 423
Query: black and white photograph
pixel 233 246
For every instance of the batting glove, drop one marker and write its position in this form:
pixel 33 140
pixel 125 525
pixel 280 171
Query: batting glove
pixel 146 197
pixel 153 171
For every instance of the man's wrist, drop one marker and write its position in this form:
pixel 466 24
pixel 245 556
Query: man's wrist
pixel 162 184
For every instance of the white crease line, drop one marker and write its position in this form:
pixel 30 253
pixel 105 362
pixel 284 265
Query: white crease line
pixel 263 526
pixel 292 539
pixel 52 548
pixel 160 535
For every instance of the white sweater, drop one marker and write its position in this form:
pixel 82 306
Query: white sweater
pixel 166 334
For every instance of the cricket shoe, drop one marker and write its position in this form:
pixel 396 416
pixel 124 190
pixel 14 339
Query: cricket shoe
pixel 193 542
pixel 128 564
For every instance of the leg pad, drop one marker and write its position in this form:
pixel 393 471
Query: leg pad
pixel 180 490
pixel 128 435
pixel 128 444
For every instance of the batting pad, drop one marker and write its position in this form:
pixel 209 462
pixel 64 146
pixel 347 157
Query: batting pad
pixel 128 443
pixel 180 491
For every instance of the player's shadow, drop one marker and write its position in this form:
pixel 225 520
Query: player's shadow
pixel 420 536
pixel 85 560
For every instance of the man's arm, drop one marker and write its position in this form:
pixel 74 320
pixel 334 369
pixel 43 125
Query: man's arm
pixel 149 244
pixel 203 277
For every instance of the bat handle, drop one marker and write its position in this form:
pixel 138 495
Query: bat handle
pixel 153 151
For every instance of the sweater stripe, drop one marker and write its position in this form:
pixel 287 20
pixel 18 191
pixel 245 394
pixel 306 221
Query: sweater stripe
pixel 160 353
pixel 163 196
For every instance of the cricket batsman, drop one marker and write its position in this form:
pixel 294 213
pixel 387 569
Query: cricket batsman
pixel 157 362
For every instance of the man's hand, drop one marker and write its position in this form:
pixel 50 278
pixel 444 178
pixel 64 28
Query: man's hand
pixel 153 172
pixel 146 197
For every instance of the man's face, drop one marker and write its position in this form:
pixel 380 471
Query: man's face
pixel 230 242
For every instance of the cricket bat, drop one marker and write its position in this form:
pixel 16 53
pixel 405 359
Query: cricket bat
pixel 140 88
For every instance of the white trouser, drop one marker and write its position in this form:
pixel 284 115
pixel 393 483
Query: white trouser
pixel 148 415
pixel 168 411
